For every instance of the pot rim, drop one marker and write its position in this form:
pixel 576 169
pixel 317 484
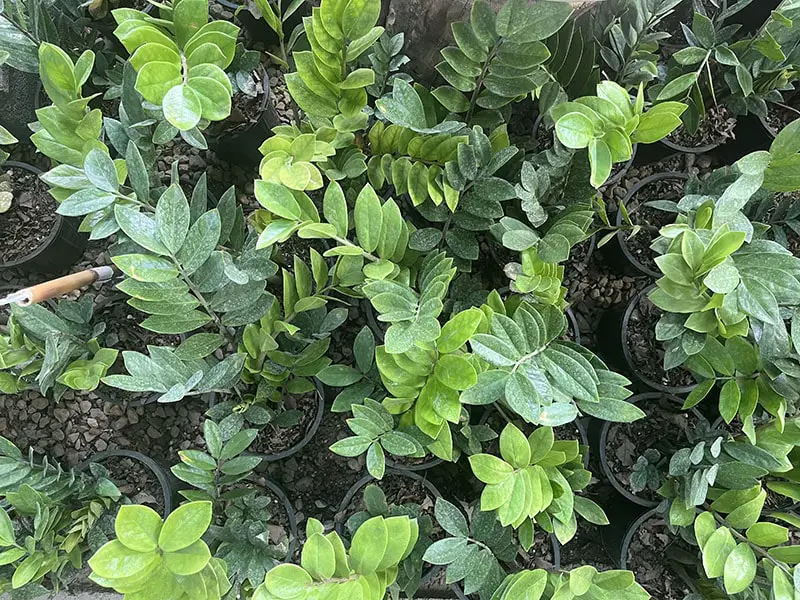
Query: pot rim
pixel 664 175
pixel 58 223
pixel 605 468
pixel 644 379
pixel 161 474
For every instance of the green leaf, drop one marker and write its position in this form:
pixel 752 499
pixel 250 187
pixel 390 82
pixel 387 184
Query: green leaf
pixel 351 446
pixel 182 107
pixel 318 557
pixel 716 551
pixel 100 171
pixel 368 218
pixel 575 130
pixel 339 375
pixel 140 228
pixel 201 241
pixel 450 518
pixel 740 569
pixel 278 200
pixel 184 526
pixel 368 546
pixel 376 462
pixel 287 581
pixel 189 560
pixel 143 267
pixel 6 530
pixel 514 447
pixel 444 552
pixel 115 561
pixel 590 511
pixel 600 160
pixel 490 469
pixel 404 107
pixel 84 202
pixel 172 218
pixel 767 534
pixel 455 372
pixel 729 399
pixel 138 527
pixel 334 208
pixel 677 86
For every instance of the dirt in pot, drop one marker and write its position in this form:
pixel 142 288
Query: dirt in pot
pixel 716 127
pixel 521 123
pixel 246 109
pixel 650 219
pixel 651 557
pixel 646 352
pixel 585 549
pixel 274 439
pixel 780 115
pixel 31 215
pixel 399 490
pixel 300 475
pixel 540 555
pixel 665 428
pixel 136 481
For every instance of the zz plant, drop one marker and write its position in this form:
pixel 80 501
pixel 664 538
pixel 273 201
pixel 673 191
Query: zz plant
pixel 541 378
pixel 155 559
pixel 581 583
pixel 53 351
pixel 180 62
pixel 534 483
pixel 609 123
pixel 734 288
pixel 370 565
pixel 474 550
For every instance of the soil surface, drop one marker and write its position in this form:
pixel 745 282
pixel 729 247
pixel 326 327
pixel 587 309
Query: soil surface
pixel 779 116
pixel 648 558
pixel 399 490
pixel 272 440
pixel 245 110
pixel 666 429
pixel 716 127
pixel 540 556
pixel 646 352
pixel 136 481
pixel 651 219
pixel 25 226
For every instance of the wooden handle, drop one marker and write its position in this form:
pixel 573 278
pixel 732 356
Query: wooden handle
pixel 64 285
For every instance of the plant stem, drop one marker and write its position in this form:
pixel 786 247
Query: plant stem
pixel 479 82
pixel 743 539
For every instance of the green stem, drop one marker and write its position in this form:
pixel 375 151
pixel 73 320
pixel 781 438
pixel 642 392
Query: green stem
pixel 743 539
pixel 479 82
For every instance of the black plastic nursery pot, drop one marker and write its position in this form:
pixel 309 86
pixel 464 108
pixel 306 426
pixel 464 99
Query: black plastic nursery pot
pixel 349 506
pixel 242 146
pixel 310 432
pixel 62 247
pixel 614 331
pixel 18 94
pixel 620 546
pixel 163 477
pixel 618 251
pixel 599 436
pixel 287 506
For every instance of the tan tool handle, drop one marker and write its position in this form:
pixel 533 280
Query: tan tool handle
pixel 63 285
